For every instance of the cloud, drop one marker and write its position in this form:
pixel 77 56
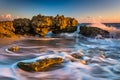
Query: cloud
pixel 6 17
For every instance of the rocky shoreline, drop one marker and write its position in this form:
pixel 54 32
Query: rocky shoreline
pixel 41 25
pixel 38 25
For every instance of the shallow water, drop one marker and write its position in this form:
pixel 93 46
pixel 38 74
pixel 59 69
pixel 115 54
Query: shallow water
pixel 102 57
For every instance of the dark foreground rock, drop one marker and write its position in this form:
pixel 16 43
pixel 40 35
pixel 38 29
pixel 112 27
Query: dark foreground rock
pixel 40 65
pixel 93 32
pixel 66 30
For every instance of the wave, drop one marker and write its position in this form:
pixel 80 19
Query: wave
pixel 114 32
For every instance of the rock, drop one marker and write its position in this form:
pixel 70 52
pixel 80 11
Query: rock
pixel 77 55
pixel 66 30
pixel 39 65
pixel 22 26
pixel 60 24
pixel 93 32
pixel 14 49
pixel 41 24
pixel 82 61
pixel 6 29
pixel 64 25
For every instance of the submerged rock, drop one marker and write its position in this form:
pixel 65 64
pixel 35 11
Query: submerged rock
pixel 78 56
pixel 14 49
pixel 39 65
pixel 93 32
pixel 6 29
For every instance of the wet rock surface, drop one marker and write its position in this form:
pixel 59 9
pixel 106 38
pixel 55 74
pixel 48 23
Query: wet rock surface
pixel 93 32
pixel 40 65
pixel 14 49
pixel 66 30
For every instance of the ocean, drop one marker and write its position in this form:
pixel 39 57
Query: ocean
pixel 102 57
pixel 117 25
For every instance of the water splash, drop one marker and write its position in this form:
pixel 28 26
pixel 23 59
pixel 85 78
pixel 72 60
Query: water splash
pixel 114 32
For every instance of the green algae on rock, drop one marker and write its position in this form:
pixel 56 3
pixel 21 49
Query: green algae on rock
pixel 39 65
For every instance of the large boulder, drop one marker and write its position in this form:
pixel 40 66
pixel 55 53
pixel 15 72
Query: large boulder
pixel 93 32
pixel 39 65
pixel 41 24
pixel 22 26
pixel 64 25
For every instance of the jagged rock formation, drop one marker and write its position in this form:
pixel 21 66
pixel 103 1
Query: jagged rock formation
pixel 93 32
pixel 22 26
pixel 41 24
pixel 39 65
pixel 6 29
pixel 59 24
pixel 38 25
pixel 64 25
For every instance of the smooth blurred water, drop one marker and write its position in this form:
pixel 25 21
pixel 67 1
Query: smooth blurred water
pixel 97 67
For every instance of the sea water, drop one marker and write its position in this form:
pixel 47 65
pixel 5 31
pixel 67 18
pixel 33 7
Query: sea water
pixel 102 58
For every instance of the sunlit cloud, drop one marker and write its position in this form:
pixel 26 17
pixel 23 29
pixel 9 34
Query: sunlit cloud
pixel 101 19
pixel 6 17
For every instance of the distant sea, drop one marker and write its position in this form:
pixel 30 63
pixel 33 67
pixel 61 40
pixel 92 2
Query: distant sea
pixel 117 25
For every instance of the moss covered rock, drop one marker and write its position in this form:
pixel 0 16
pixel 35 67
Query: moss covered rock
pixel 39 65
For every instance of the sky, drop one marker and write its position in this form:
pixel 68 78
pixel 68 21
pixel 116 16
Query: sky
pixel 85 11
